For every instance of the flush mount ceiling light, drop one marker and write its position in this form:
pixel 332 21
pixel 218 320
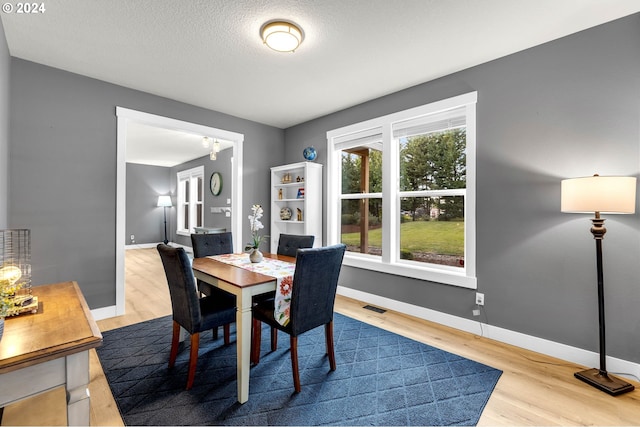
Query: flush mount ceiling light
pixel 281 36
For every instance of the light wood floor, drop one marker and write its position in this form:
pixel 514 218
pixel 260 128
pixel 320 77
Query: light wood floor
pixel 533 390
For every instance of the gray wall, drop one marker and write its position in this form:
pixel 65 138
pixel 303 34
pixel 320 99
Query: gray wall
pixel 564 109
pixel 144 219
pixel 223 165
pixel 145 183
pixel 63 169
pixel 5 62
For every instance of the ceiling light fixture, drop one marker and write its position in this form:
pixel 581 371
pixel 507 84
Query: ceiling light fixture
pixel 205 142
pixel 281 36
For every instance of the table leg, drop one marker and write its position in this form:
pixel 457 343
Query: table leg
pixel 77 383
pixel 243 342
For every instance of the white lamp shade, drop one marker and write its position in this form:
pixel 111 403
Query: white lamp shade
pixel 605 194
pixel 164 201
pixel 281 36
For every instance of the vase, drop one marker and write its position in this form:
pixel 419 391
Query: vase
pixel 255 255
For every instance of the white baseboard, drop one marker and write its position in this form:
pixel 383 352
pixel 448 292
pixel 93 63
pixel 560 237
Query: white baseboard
pixel 142 246
pixel 576 355
pixel 153 245
pixel 104 312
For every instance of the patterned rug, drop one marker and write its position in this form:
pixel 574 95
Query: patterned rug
pixel 382 379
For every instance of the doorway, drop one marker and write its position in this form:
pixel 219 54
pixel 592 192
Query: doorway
pixel 124 118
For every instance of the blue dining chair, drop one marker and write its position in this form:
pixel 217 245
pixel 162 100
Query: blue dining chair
pixel 189 311
pixel 313 294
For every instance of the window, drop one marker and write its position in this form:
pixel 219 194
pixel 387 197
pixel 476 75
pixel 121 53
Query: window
pixel 401 192
pixel 190 200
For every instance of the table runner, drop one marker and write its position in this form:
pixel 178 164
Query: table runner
pixel 282 271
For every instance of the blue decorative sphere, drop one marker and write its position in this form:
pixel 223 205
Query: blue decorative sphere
pixel 310 154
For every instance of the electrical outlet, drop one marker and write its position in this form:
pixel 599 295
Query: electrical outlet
pixel 479 298
pixel 476 312
pixel 133 237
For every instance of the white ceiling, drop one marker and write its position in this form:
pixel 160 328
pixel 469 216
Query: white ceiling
pixel 208 52
pixel 155 146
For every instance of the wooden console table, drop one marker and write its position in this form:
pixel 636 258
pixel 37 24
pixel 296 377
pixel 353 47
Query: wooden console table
pixel 49 349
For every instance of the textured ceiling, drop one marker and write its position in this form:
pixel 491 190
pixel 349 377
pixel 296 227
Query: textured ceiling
pixel 208 52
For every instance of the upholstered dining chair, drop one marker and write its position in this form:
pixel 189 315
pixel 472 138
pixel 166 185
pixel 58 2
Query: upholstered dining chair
pixel 288 244
pixel 313 294
pixel 193 313
pixel 207 245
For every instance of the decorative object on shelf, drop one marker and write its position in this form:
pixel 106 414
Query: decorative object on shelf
pixel 300 194
pixel 285 214
pixel 255 225
pixel 280 194
pixel 298 179
pixel 286 178
pixel 15 273
pixel 310 153
pixel 600 194
pixel 299 214
pixel 215 183
pixel 165 202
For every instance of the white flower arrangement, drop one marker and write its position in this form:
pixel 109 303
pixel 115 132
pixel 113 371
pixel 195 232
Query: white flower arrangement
pixel 255 225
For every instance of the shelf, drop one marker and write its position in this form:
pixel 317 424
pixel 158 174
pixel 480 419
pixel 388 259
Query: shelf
pixel 309 204
pixel 290 184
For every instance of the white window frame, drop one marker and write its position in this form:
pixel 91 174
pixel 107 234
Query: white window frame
pixel 194 204
pixel 389 262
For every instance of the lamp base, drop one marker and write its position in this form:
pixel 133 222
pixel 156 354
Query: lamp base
pixel 605 382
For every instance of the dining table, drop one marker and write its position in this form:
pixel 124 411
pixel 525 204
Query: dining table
pixel 244 280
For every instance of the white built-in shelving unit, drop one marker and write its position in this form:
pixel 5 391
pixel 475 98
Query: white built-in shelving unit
pixel 297 187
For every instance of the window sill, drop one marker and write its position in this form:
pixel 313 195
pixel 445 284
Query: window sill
pixel 438 275
pixel 183 233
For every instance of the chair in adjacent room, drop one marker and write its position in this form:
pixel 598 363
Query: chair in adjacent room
pixel 313 294
pixel 191 312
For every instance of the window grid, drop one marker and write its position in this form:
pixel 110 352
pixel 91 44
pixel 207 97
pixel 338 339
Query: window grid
pixel 455 202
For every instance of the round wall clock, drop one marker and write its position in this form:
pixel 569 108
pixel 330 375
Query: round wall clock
pixel 216 183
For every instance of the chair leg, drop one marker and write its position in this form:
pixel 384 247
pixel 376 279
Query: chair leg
pixel 274 339
pixel 328 332
pixel 175 341
pixel 193 359
pixel 214 333
pixel 256 337
pixel 227 333
pixel 294 363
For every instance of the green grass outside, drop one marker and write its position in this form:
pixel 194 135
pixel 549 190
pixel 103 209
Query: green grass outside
pixel 439 237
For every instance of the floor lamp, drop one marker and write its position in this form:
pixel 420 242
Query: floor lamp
pixel 165 202
pixel 600 194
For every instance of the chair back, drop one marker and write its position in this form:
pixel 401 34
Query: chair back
pixel 211 244
pixel 288 244
pixel 182 287
pixel 315 281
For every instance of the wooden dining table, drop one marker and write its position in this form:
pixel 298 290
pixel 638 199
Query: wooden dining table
pixel 244 284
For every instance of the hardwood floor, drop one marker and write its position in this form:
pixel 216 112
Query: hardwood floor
pixel 534 389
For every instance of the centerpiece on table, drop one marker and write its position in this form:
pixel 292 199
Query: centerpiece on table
pixel 255 224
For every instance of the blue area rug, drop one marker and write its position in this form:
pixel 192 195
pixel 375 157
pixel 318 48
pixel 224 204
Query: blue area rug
pixel 381 379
